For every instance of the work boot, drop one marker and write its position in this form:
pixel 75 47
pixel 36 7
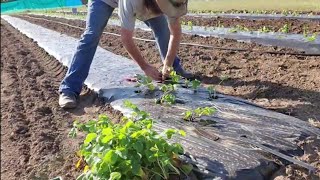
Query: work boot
pixel 185 74
pixel 67 101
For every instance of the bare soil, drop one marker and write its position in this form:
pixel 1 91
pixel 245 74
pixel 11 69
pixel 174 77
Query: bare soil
pixel 288 84
pixel 294 25
pixel 34 141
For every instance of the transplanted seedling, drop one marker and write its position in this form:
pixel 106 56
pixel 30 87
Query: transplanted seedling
pixel 195 85
pixel 167 96
pixel 311 38
pixel 192 115
pixel 264 29
pixel 212 92
pixel 145 81
pixel 175 78
pixel 212 89
pixel 284 29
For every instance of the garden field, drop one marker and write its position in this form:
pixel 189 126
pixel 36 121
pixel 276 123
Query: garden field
pixel 267 111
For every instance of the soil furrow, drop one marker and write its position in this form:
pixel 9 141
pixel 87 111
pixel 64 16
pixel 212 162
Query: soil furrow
pixel 34 143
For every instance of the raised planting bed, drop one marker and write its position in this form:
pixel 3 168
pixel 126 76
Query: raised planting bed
pixel 285 83
pixel 309 43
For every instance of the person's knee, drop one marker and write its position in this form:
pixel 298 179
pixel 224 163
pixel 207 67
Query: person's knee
pixel 91 37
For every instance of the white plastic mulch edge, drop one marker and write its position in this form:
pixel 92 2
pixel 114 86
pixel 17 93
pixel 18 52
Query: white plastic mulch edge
pixel 107 70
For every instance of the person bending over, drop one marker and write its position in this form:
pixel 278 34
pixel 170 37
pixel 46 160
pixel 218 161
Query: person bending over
pixel 162 16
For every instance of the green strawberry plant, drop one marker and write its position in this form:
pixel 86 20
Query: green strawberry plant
pixel 311 38
pixel 285 28
pixel 145 81
pixel 175 78
pixel 191 115
pixel 131 150
pixel 167 96
pixel 264 29
pixel 195 85
pixel 212 89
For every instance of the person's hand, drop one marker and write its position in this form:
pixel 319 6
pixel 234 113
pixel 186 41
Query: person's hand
pixel 166 70
pixel 152 72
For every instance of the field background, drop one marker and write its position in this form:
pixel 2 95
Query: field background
pixel 224 5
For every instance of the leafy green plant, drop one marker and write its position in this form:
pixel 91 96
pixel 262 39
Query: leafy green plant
pixel 190 25
pixel 238 28
pixel 145 81
pixel 175 78
pixel 311 38
pixel 167 96
pixel 264 29
pixel 195 85
pixel 212 92
pixel 191 115
pixel 212 89
pixel 132 150
pixel 284 29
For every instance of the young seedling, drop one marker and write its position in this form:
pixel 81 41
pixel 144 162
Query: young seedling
pixel 186 83
pixel 190 24
pixel 284 29
pixel 175 78
pixel 311 38
pixel 145 81
pixel 198 113
pixel 212 92
pixel 167 96
pixel 195 85
pixel 264 29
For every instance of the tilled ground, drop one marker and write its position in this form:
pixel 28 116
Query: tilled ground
pixel 289 84
pixel 34 141
pixel 294 25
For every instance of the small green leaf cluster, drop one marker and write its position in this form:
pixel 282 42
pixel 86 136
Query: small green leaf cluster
pixel 199 112
pixel 239 28
pixel 212 92
pixel 145 81
pixel 190 25
pixel 175 78
pixel 264 29
pixel 195 84
pixel 285 28
pixel 168 96
pixel 132 150
pixel 311 38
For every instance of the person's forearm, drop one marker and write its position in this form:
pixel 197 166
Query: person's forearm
pixel 133 51
pixel 175 36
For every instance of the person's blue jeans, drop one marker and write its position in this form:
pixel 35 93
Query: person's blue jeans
pixel 97 18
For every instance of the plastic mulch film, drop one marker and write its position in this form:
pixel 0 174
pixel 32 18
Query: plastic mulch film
pixel 240 141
